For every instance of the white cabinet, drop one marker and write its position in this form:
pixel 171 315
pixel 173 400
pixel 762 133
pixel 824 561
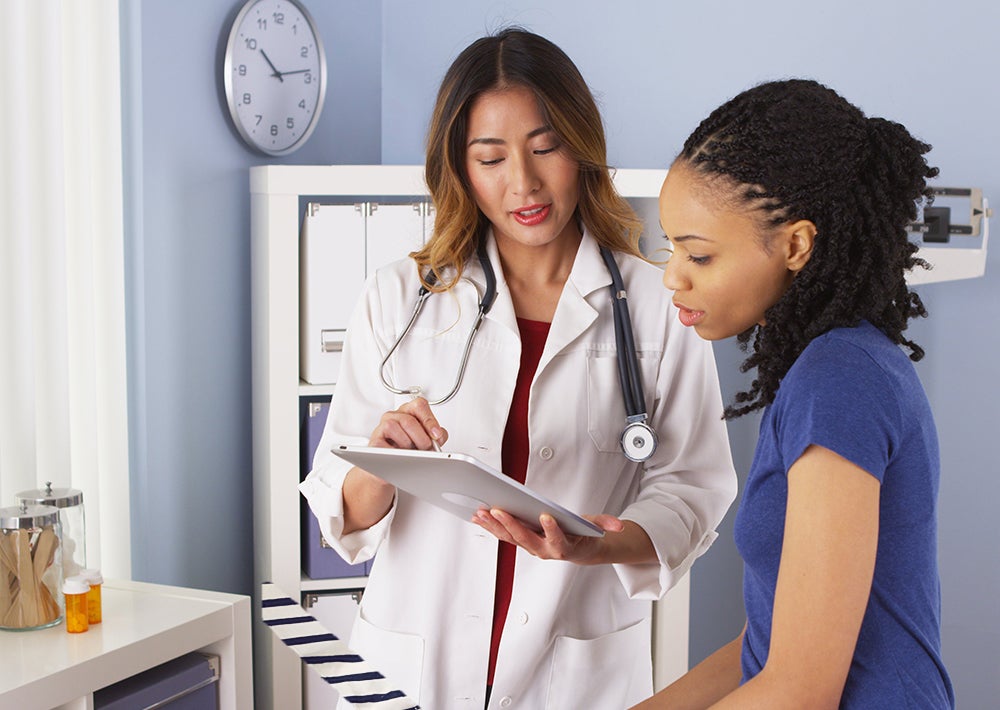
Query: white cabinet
pixel 143 626
pixel 280 199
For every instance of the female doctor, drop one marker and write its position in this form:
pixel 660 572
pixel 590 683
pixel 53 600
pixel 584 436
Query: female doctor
pixel 462 614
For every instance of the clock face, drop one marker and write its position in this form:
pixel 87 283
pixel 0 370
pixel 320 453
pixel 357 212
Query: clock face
pixel 275 75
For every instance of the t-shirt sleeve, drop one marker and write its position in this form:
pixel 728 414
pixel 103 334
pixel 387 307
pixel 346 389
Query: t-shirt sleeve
pixel 836 396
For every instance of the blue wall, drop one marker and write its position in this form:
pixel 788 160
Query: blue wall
pixel 188 255
pixel 657 69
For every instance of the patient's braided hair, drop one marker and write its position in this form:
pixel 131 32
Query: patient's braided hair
pixel 795 149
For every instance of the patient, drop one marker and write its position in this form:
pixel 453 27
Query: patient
pixel 787 211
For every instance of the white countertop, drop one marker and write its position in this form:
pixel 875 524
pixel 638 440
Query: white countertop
pixel 143 626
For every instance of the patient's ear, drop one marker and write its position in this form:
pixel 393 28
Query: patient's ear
pixel 801 236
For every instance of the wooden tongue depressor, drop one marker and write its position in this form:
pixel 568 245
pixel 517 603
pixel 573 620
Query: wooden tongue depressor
pixel 8 577
pixel 28 598
pixel 44 555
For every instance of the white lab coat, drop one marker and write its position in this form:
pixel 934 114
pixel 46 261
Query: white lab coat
pixel 575 636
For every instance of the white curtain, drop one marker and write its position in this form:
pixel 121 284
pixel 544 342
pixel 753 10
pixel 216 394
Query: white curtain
pixel 63 399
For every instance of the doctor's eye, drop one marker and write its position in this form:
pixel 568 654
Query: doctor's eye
pixel 546 151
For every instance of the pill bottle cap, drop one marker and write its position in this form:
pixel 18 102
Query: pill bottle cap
pixel 76 585
pixel 93 576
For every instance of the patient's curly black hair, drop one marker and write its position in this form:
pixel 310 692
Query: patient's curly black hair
pixel 795 149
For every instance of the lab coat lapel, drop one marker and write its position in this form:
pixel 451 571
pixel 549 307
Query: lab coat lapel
pixel 502 312
pixel 574 313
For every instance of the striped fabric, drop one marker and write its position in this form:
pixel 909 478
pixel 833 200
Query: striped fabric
pixel 353 677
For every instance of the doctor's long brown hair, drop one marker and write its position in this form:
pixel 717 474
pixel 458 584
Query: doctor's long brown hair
pixel 515 57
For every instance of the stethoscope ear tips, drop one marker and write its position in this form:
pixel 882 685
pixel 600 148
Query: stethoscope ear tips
pixel 638 442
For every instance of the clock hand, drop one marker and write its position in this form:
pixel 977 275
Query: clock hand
pixel 276 73
pixel 296 71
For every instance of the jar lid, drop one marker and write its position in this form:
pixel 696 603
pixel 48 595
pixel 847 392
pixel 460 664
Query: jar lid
pixel 76 585
pixel 28 516
pixel 91 575
pixel 58 497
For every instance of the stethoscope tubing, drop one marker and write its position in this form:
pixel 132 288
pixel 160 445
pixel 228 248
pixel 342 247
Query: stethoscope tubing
pixel 628 358
pixel 485 304
pixel 629 375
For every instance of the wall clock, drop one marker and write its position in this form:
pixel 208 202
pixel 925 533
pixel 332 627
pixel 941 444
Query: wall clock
pixel 275 75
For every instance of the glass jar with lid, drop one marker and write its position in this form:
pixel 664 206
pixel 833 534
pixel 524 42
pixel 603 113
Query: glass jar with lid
pixel 31 564
pixel 69 501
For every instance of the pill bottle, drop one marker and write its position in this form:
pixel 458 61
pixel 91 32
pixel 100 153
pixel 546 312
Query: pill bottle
pixel 31 566
pixel 69 501
pixel 75 591
pixel 94 578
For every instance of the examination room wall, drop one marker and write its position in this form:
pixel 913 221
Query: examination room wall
pixel 187 223
pixel 657 68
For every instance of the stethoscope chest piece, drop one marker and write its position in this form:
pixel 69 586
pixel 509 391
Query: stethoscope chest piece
pixel 638 442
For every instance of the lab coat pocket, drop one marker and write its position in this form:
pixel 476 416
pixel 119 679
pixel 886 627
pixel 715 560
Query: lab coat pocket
pixel 397 656
pixel 607 673
pixel 605 405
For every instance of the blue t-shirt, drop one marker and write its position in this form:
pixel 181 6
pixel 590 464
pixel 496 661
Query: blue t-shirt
pixel 854 392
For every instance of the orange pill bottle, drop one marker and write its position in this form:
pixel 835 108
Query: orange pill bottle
pixel 94 578
pixel 75 590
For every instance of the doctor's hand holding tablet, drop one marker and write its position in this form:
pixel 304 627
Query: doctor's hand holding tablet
pixel 550 362
pixel 399 454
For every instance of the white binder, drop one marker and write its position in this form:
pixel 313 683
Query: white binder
pixel 340 246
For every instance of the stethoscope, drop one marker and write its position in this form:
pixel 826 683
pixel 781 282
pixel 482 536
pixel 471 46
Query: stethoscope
pixel 638 440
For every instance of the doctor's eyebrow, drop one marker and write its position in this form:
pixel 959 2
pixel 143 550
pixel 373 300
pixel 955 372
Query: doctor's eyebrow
pixel 500 141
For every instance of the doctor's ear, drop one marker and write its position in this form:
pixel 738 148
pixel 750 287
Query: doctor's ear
pixel 800 238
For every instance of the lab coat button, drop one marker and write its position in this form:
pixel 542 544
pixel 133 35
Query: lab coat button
pixel 505 702
pixel 545 452
pixel 522 618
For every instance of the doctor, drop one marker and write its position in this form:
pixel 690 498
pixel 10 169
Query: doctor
pixel 467 614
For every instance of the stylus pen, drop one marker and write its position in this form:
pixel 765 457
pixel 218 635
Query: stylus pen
pixel 414 393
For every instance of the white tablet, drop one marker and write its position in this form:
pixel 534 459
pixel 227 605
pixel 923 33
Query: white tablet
pixel 461 485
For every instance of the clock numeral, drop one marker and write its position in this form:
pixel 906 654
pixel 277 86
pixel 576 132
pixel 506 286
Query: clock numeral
pixel 302 104
pixel 251 43
pixel 307 78
pixel 258 117
pixel 247 99
pixel 274 129
pixel 262 24
pixel 290 123
pixel 304 52
pixel 279 18
pixel 242 69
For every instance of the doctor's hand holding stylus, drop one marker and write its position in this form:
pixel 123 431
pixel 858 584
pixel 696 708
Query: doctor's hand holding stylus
pixel 367 498
pixel 412 426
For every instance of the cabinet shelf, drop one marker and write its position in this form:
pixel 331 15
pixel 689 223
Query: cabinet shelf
pixel 308 390
pixel 337 584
